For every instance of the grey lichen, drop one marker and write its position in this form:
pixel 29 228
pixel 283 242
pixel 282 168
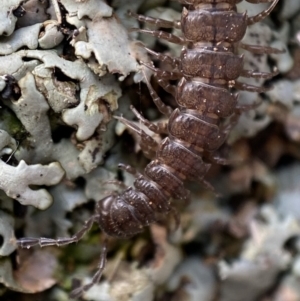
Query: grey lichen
pixel 59 95
pixel 16 181
pixel 7 18
pixel 7 234
pixel 52 35
pixel 201 281
pixel 262 258
pixel 65 199
pixel 32 108
pixel 86 115
pixel 26 36
pixel 114 36
pixel 91 9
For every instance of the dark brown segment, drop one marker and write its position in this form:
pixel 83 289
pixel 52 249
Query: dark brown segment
pixel 213 26
pixel 205 98
pixel 139 205
pixel 193 130
pixel 167 181
pixel 114 214
pixel 157 200
pixel 211 64
pixel 182 160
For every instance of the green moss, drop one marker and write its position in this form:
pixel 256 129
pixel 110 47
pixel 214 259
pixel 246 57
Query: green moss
pixel 11 124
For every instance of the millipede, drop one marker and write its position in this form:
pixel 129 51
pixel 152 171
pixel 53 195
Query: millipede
pixel 206 73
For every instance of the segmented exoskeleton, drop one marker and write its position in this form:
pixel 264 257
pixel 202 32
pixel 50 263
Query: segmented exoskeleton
pixel 207 70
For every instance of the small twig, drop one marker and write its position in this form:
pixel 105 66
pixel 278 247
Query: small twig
pixel 13 152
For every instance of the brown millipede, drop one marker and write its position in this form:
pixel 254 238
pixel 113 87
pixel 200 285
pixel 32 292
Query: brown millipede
pixel 206 71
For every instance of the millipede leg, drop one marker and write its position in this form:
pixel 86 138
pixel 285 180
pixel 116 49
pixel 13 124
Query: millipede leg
pixel 167 86
pixel 257 49
pixel 231 124
pixel 117 183
pixel 250 88
pixel 28 242
pixel 176 217
pixel 128 168
pixel 159 128
pixel 155 21
pixel 173 61
pixel 162 35
pixel 76 293
pixel 262 15
pixel 245 108
pixel 147 143
pixel 259 1
pixel 216 159
pixel 255 74
pixel 172 75
pixel 208 186
pixel 166 110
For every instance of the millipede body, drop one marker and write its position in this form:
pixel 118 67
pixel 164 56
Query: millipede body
pixel 207 73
